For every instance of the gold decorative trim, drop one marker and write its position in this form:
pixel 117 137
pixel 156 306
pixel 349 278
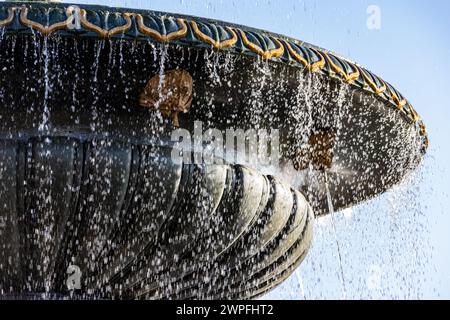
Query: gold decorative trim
pixel 297 56
pixel 400 103
pixel 10 18
pixel 41 28
pixel 347 77
pixel 415 116
pixel 215 43
pixel 106 33
pixel 318 65
pixel 158 36
pixel 378 90
pixel 423 130
pixel 270 54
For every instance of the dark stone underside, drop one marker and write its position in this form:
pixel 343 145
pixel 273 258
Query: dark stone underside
pixel 92 87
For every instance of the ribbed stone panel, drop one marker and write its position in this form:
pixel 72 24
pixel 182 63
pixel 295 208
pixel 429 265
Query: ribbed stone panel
pixel 138 225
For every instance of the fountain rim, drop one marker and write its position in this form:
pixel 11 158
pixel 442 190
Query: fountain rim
pixel 189 31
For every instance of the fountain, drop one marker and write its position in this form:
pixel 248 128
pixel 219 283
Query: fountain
pixel 94 204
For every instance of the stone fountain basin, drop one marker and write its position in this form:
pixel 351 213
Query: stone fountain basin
pixel 96 79
pixel 87 176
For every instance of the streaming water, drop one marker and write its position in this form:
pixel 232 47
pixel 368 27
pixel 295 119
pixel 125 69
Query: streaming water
pixel 43 127
pixel 333 222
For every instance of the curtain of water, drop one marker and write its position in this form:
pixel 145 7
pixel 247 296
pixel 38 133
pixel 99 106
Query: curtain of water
pixel 331 209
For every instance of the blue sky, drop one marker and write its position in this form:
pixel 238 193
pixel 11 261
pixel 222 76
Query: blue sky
pixel 396 246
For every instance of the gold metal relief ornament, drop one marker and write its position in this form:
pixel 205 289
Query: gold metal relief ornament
pixel 318 153
pixel 170 93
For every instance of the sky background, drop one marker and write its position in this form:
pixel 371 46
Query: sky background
pixel 397 246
